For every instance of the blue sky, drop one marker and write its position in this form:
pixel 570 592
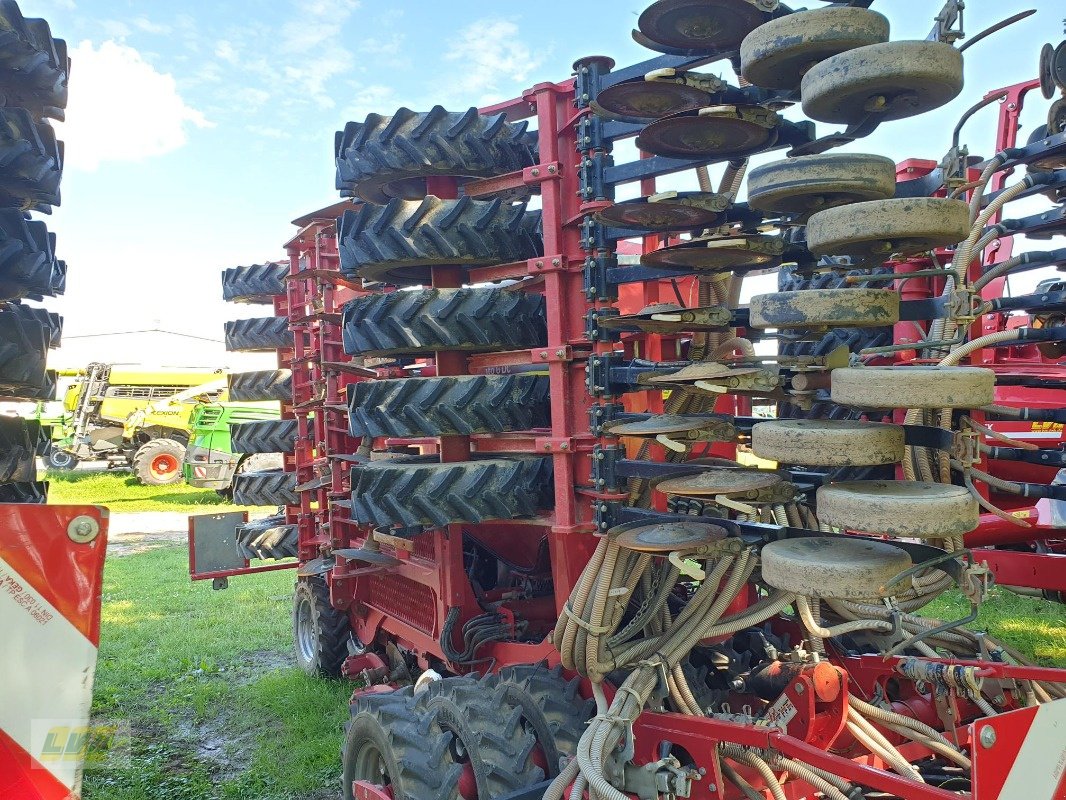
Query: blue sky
pixel 198 130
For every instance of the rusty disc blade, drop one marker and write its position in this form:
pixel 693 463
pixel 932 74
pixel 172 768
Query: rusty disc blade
pixel 703 372
pixel 646 101
pixel 710 25
pixel 368 557
pixel 664 423
pixel 714 255
pixel 668 537
pixel 714 481
pixel 319 566
pixel 640 214
pixel 712 136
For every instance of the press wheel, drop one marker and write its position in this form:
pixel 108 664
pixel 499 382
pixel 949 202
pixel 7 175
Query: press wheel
pixel 893 80
pixel 875 230
pixel 825 308
pixel 777 54
pixel 828 443
pixel 708 25
pixel 913 387
pixel 832 567
pixel 718 132
pixel 809 184
pixel 908 509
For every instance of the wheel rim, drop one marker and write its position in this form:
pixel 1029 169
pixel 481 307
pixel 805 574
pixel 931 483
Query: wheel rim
pixel 369 765
pixel 163 466
pixel 305 634
pixel 61 459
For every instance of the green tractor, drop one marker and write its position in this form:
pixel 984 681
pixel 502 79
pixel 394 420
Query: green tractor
pixel 210 462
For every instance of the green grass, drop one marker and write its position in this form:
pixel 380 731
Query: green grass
pixel 120 491
pixel 205 681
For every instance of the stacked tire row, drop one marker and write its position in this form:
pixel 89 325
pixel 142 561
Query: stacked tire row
pixel 33 84
pixel 261 479
pixel 403 238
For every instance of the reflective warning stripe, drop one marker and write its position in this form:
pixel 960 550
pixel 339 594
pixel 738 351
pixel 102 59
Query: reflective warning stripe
pixel 1021 755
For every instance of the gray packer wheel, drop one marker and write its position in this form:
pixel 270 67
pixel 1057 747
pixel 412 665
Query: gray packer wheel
pixel 873 231
pixel 825 308
pixel 909 509
pixel 777 54
pixel 893 80
pixel 913 387
pixel 831 567
pixel 809 184
pixel 828 443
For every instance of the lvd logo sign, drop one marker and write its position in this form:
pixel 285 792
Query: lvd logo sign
pixel 79 743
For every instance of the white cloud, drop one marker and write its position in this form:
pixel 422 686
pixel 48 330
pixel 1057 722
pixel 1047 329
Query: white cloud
pixel 146 25
pixel 490 54
pixel 115 29
pixel 226 51
pixel 122 109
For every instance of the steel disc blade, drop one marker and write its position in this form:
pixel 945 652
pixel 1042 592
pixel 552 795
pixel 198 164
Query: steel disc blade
pixel 648 100
pixel 640 214
pixel 712 136
pixel 706 25
pixel 721 255
pixel 714 481
pixel 669 537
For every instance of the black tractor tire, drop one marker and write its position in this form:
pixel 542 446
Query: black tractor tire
pixel 383 158
pixel 552 707
pixel 33 65
pixel 259 283
pixel 261 386
pixel 23 350
pixel 263 436
pixel 265 488
pixel 31 162
pixel 430 494
pixel 27 257
pixel 427 320
pixel 52 322
pixel 18 449
pixel 158 462
pixel 411 407
pixel 399 243
pixel 32 492
pixel 320 632
pixel 61 460
pixel 258 335
pixel 269 538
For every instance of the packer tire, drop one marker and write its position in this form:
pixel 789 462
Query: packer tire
pixel 777 54
pixel 400 242
pixel 19 440
pixel 828 443
pixel 158 462
pixel 428 320
pixel 263 436
pixel 413 407
pixel 875 230
pixel 30 492
pixel 826 308
pixel 269 538
pixel 33 65
pixel 31 162
pixel 27 257
pixel 261 386
pixel 419 494
pixel 913 387
pixel 911 509
pixel 258 335
pixel 24 340
pixel 383 158
pixel 320 632
pixel 50 321
pixel 809 184
pixel 258 283
pixel 832 567
pixel 839 89
pixel 265 488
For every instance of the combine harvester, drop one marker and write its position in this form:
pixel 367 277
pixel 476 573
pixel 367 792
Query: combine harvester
pixel 519 520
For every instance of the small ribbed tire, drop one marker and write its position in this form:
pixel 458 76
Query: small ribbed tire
pixel 265 488
pixel 258 335
pixel 24 345
pixel 826 308
pixel 808 184
pixel 420 494
pixel 258 283
pixel 32 162
pixel 267 538
pixel 894 80
pixel 158 462
pixel 383 158
pixel 261 386
pixel 399 243
pixel 27 257
pixel 913 387
pixel 876 230
pixel 427 320
pixel 832 567
pixel 411 407
pixel 828 443
pixel 35 65
pixel 263 436
pixel 320 632
pixel 909 509
pixel 777 54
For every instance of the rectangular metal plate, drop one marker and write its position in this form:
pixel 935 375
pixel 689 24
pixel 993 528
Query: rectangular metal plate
pixel 213 543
